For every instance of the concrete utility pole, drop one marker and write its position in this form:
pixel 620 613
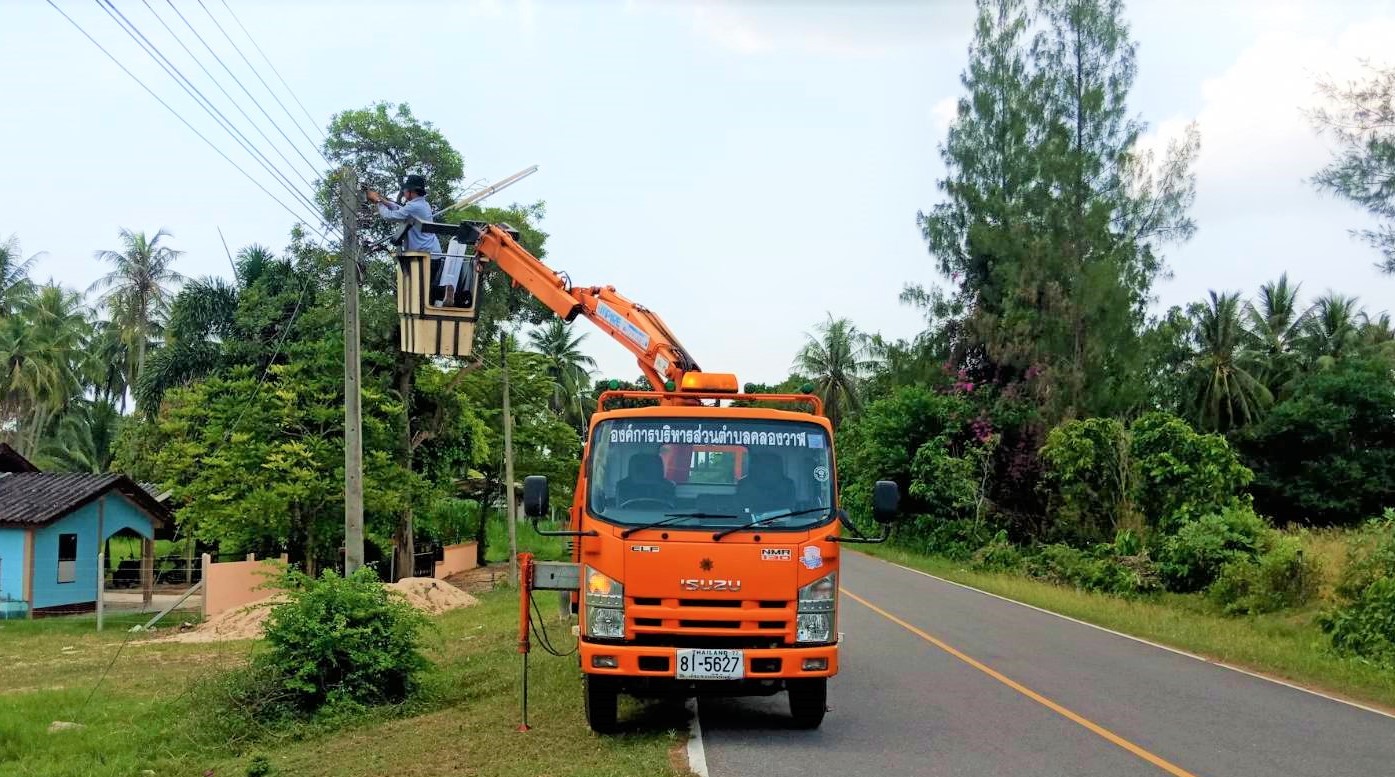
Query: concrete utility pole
pixel 508 458
pixel 353 400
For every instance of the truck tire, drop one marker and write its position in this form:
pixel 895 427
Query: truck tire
pixel 602 703
pixel 808 701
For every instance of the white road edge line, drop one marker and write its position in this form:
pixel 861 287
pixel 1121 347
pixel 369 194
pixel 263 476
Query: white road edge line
pixel 1149 643
pixel 697 754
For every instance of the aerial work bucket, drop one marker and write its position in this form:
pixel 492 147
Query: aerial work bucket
pixel 437 299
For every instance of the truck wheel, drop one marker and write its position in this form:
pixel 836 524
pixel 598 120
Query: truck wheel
pixel 808 701
pixel 602 703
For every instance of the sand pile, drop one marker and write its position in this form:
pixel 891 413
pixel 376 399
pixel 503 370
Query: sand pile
pixel 242 623
pixel 431 596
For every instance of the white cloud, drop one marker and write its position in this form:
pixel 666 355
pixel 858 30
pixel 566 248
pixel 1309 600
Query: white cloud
pixel 1255 135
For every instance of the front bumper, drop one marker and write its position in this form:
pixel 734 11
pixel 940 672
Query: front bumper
pixel 659 662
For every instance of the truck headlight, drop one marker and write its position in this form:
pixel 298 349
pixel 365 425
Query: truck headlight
pixel 818 602
pixel 814 627
pixel 605 622
pixel 605 605
pixel 820 595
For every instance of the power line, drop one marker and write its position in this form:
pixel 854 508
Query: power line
pixel 251 67
pixel 234 102
pixel 186 123
pixel 193 91
pixel 244 88
pixel 274 70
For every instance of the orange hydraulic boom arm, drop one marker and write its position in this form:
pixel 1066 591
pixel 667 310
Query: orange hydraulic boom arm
pixel 661 357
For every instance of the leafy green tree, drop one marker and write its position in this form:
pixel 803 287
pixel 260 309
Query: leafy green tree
pixel 1090 479
pixel 14 275
pixel 1326 454
pixel 1182 474
pixel 138 289
pixel 384 143
pixel 568 366
pixel 1226 390
pixel 836 359
pixel 1360 116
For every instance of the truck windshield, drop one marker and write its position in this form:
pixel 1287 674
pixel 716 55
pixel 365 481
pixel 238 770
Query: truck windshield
pixel 720 475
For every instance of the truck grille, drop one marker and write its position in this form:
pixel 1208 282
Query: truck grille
pixel 721 622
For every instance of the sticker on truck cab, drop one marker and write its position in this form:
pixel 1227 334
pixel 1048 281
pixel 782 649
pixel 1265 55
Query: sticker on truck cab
pixel 776 554
pixel 812 557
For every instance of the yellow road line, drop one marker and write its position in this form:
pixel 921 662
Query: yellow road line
pixel 1095 728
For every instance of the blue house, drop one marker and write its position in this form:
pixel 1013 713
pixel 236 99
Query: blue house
pixel 52 527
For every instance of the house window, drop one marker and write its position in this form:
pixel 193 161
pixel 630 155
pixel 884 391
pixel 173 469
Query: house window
pixel 67 558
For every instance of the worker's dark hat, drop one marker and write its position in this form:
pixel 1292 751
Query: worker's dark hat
pixel 414 182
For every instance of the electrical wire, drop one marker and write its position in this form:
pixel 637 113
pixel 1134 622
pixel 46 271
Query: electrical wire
pixel 186 123
pixel 234 102
pixel 538 625
pixel 267 59
pixel 193 91
pixel 243 86
pixel 251 67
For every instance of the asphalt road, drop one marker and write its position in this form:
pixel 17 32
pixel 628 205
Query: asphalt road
pixel 1009 690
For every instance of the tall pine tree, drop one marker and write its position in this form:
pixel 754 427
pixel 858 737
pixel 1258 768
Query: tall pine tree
pixel 1053 214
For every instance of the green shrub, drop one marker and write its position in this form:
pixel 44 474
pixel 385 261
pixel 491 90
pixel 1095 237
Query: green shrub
pixel 1191 559
pixel 999 555
pixel 1280 578
pixel 1183 475
pixel 341 643
pixel 956 540
pixel 1366 626
pixel 1364 623
pixel 1097 569
pixel 1087 476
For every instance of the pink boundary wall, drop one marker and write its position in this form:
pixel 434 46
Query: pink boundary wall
pixel 228 585
pixel 458 558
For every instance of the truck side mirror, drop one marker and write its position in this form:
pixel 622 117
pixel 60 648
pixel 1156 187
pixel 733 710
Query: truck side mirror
pixel 886 501
pixel 535 503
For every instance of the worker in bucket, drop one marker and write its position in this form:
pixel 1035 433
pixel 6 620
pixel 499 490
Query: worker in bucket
pixel 415 210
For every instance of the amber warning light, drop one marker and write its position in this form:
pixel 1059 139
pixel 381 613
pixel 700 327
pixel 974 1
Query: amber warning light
pixel 723 382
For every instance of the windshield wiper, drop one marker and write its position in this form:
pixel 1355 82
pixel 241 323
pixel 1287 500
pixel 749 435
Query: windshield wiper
pixel 767 519
pixel 670 518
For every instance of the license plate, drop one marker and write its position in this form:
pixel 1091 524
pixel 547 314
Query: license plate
pixel 711 665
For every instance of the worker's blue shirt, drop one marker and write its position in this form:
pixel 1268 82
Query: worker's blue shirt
pixel 421 211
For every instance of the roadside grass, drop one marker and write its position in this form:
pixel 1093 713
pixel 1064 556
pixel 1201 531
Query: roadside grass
pixel 544 548
pixel 150 713
pixel 1287 645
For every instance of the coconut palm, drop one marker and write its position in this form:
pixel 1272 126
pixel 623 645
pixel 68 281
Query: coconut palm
pixel 569 368
pixel 837 358
pixel 1226 393
pixel 1334 329
pixel 137 291
pixel 43 361
pixel 84 438
pixel 14 274
pixel 1276 326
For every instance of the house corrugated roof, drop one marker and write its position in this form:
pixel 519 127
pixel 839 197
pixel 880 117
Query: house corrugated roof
pixel 36 498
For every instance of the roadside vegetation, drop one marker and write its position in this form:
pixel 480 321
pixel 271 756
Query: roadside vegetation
pixel 179 709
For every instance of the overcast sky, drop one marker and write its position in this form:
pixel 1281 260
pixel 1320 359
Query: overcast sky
pixel 742 168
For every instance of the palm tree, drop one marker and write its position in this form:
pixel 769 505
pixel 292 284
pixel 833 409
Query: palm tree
pixel 43 361
pixel 84 438
pixel 837 359
pixel 138 287
pixel 1334 330
pixel 1276 326
pixel 1226 393
pixel 14 275
pixel 569 368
